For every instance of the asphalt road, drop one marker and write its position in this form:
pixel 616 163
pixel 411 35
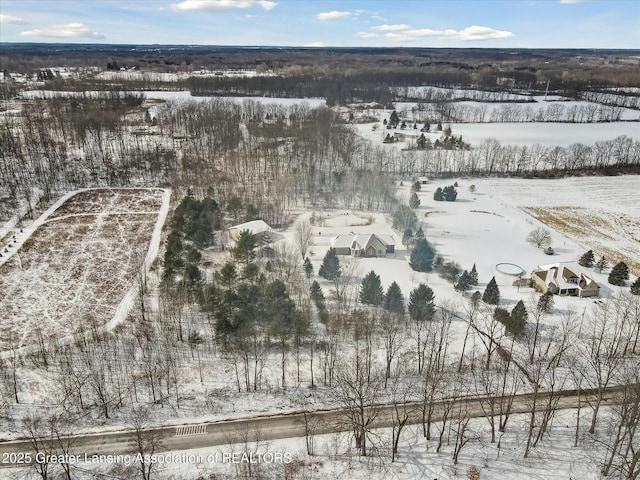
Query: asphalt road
pixel 239 431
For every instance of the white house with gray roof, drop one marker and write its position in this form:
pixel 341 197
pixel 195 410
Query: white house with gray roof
pixel 567 278
pixel 363 245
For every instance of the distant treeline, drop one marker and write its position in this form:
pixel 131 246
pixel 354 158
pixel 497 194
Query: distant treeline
pixel 366 86
pixel 381 85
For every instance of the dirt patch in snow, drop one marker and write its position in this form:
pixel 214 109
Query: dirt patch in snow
pixel 72 273
pixel 612 234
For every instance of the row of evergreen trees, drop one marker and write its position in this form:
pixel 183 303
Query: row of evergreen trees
pixel 448 193
pixel 192 229
pixel 619 273
pixel 421 299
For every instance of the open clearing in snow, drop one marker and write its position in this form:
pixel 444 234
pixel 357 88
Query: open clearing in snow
pixel 614 235
pixel 74 270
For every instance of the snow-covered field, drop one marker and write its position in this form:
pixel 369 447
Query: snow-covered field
pixel 520 134
pixel 558 134
pixel 457 93
pixel 183 95
pixel 75 268
pixel 552 109
pixel 601 213
pixel 490 226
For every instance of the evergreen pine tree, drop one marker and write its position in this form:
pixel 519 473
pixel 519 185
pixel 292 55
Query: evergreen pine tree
pixel 407 236
pixel 422 256
pixel 416 187
pixel 421 305
pixel 250 271
pixel 438 195
pixel 421 142
pixel 619 274
pixel 315 291
pixel 371 292
pixel 394 119
pixel 227 274
pixel 245 245
pixel 192 277
pixel 330 268
pixel 475 298
pixel 308 267
pixel 235 208
pixel 491 294
pixel 419 232
pixel 518 319
pixel 414 201
pixel 635 287
pixel 502 316
pixel 394 300
pixel 601 265
pixel 173 255
pixel 587 259
pixel 450 193
pixel 464 283
pixel 473 275
pixel 545 303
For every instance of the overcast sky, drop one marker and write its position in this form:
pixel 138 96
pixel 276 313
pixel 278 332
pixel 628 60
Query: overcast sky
pixel 372 23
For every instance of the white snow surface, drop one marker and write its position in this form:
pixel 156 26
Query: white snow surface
pixel 559 134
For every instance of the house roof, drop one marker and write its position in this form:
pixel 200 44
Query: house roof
pixel 255 226
pixel 560 273
pixel 361 241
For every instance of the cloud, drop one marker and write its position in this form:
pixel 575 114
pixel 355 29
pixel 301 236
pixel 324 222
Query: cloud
pixel 314 44
pixel 366 35
pixel 334 15
pixel 471 33
pixel 266 4
pixel 401 37
pixel 10 19
pixel 476 32
pixel 216 5
pixel 68 30
pixel 392 28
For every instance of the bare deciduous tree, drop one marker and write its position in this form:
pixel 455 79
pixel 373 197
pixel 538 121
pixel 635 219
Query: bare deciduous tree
pixel 304 237
pixel 146 442
pixel 623 454
pixel 540 237
pixel 357 389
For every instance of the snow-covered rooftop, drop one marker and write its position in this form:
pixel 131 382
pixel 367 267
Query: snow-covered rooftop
pixel 361 241
pixel 254 226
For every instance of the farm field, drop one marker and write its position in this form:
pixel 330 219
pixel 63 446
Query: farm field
pixel 600 213
pixel 75 268
pixel 562 134
pixel 519 134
